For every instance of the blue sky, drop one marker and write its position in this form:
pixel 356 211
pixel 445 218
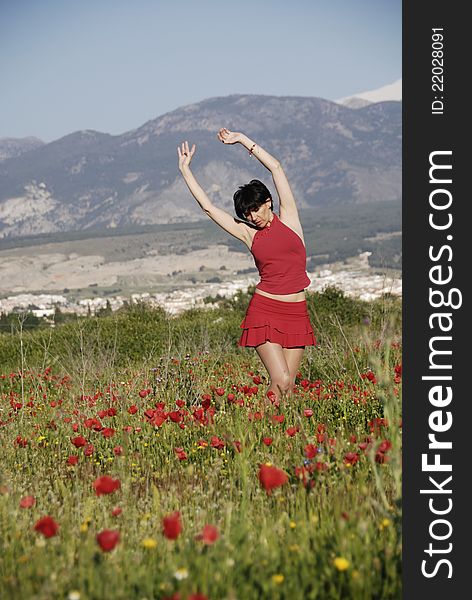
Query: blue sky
pixel 111 65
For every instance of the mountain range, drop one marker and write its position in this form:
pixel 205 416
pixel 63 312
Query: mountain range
pixel 332 154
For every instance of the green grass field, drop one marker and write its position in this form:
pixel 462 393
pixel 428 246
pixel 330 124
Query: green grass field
pixel 300 500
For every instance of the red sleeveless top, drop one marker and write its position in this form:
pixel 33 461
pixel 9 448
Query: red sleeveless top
pixel 280 258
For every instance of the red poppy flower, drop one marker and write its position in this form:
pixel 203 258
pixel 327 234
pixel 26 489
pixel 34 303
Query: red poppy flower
pixel 89 449
pixel 209 535
pixel 72 460
pixel 220 391
pixel 158 419
pixel 79 441
pixel 351 458
pixel 257 380
pixel 215 442
pixel 384 446
pixel 291 431
pixel 267 441
pixel 278 418
pixel 149 413
pixel 257 416
pixel 381 458
pixel 106 485
pixel 118 450
pixel 197 596
pixel 47 526
pixel 181 454
pixel 175 416
pixel 143 393
pixel 310 451
pixel 27 501
pixel 271 477
pixel 206 401
pixel 93 424
pixel 308 412
pixel 172 525
pixel 133 409
pixel 108 539
pixel 116 511
pixel 370 376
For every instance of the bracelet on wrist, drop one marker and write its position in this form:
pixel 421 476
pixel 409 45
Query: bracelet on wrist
pixel 252 149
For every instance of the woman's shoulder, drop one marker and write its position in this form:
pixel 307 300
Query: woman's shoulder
pixel 294 224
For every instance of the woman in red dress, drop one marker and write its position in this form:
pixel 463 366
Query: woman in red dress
pixel 276 324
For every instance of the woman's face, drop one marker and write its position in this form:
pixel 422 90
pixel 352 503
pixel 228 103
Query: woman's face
pixel 261 216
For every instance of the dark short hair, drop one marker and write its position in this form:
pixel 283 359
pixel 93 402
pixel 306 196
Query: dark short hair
pixel 251 196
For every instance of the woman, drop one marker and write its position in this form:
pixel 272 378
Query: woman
pixel 276 324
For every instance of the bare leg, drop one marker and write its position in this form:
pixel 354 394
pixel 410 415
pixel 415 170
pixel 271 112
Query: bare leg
pixel 293 358
pixel 274 361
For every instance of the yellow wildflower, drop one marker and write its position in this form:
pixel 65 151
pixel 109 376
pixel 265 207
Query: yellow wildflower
pixel 341 563
pixel 85 525
pixel 149 543
pixel 278 578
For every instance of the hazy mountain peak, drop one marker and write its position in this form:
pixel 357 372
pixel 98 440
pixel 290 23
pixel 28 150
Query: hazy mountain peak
pixel 392 91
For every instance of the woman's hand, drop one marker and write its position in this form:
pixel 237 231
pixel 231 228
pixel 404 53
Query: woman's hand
pixel 185 155
pixel 228 137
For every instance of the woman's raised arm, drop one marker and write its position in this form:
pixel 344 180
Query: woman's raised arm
pixel 220 216
pixel 288 207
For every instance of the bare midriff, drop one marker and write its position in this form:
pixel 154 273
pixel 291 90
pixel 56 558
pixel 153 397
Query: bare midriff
pixel 296 297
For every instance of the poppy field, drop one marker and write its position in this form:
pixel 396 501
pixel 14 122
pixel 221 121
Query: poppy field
pixel 172 475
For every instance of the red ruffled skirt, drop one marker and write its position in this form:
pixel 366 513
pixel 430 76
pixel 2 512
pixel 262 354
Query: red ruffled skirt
pixel 270 320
